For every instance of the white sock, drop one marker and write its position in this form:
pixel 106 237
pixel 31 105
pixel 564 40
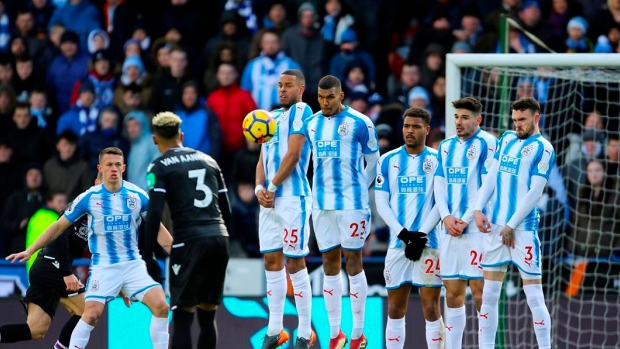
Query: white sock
pixel 455 326
pixel 80 335
pixel 57 345
pixel 276 293
pixel 540 314
pixel 303 301
pixel 488 318
pixel 434 334
pixel 159 332
pixel 395 333
pixel 332 293
pixel 358 290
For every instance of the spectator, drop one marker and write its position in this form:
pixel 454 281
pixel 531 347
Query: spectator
pixel 7 104
pixel 231 104
pixel 20 206
pixel 409 78
pixel 530 17
pixel 358 101
pixel 82 117
pixel 461 47
pixel 98 40
pixel 107 134
pixel 119 18
pixel 471 29
pixel 142 150
pixel 356 79
pixel 29 140
pixel 608 16
pixel 166 93
pixel 608 43
pixel 375 103
pixel 438 103
pixel 577 41
pixel 419 97
pixel 66 172
pixel 245 210
pixel 276 17
pixel 189 22
pixel 305 45
pixel 225 53
pixel 10 175
pixel 49 49
pixel 42 11
pixel 232 33
pixel 24 28
pixel 244 9
pixel 261 74
pixel 79 16
pixel 575 172
pixel 612 151
pixel 5 29
pixel 335 21
pixel 45 115
pixel 349 51
pixel 133 73
pixel 595 222
pixel 560 13
pixel 102 77
pixel 69 67
pixel 508 7
pixel 432 66
pixel 131 99
pixel 24 81
pixel 160 53
pixel 6 72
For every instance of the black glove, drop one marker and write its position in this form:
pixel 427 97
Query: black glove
pixel 415 241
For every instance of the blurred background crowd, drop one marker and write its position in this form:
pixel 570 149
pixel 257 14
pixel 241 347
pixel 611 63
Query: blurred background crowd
pixel 80 75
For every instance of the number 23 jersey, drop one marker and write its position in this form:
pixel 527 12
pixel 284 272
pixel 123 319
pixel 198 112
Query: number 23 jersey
pixel 191 181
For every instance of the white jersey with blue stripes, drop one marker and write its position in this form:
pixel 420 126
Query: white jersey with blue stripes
pixel 113 220
pixel 289 122
pixel 519 160
pixel 339 143
pixel 462 163
pixel 409 181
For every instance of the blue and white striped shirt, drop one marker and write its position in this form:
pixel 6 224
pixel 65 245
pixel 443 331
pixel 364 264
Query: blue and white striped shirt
pixel 289 122
pixel 338 144
pixel 113 220
pixel 409 181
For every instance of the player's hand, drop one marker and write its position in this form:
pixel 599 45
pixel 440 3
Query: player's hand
pixel 72 282
pixel 263 198
pixel 126 299
pixel 23 256
pixel 482 222
pixel 271 195
pixel 461 226
pixel 508 236
pixel 451 224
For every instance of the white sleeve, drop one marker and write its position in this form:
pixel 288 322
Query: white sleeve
pixel 371 167
pixel 430 221
pixel 487 188
pixel 529 201
pixel 382 200
pixel 441 196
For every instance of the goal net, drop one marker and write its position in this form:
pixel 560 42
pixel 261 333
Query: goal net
pixel 580 223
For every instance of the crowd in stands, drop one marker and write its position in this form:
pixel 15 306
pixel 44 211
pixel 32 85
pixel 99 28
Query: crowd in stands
pixel 80 75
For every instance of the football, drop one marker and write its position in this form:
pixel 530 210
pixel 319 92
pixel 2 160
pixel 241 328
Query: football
pixel 259 126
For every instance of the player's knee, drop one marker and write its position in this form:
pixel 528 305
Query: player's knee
pixel 454 299
pixel 293 265
pixel 273 262
pixel 489 298
pixel 397 311
pixel 91 316
pixel 161 308
pixel 431 310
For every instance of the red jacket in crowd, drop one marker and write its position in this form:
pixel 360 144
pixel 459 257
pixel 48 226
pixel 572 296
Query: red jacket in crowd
pixel 231 104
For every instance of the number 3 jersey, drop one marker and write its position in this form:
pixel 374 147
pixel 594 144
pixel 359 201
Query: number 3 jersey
pixel 289 122
pixel 191 181
pixel 408 178
pixel 519 160
pixel 338 144
pixel 113 220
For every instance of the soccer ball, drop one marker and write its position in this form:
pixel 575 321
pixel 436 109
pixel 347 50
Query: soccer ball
pixel 259 126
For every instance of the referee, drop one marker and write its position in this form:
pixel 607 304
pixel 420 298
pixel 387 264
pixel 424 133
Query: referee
pixel 191 183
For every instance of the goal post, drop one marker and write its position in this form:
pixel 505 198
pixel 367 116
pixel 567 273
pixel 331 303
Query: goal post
pixel 582 290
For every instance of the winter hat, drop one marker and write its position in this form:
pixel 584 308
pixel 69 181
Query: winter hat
pixel 419 92
pixel 461 46
pixel 99 55
pixel 132 41
pixel 133 61
pixel 375 99
pixel 578 22
pixel 306 6
pixel 87 85
pixel 69 36
pixel 348 35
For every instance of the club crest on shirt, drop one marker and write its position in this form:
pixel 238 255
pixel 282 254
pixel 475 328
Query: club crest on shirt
pixel 526 151
pixel 343 129
pixel 94 285
pixel 388 276
pixel 297 124
pixel 372 143
pixel 471 152
pixel 427 166
pixel 379 180
pixel 543 167
pixel 132 202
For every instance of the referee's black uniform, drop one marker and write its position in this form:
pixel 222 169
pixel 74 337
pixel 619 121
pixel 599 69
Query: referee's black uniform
pixel 191 183
pixel 52 264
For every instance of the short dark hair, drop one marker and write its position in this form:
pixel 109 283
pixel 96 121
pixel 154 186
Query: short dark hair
pixel 133 88
pixel 329 81
pixel 22 105
pixel 111 151
pixel 297 74
pixel 69 136
pixel 52 193
pixel 468 103
pixel 526 103
pixel 167 125
pixel 416 112
pixel 24 59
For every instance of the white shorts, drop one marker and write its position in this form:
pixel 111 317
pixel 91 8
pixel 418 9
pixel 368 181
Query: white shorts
pixel 105 282
pixel 525 255
pixel 286 226
pixel 399 270
pixel 345 228
pixel 461 256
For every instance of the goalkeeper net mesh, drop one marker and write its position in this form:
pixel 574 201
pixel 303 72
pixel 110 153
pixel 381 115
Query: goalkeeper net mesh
pixel 580 228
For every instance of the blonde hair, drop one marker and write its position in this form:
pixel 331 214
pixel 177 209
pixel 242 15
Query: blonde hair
pixel 166 125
